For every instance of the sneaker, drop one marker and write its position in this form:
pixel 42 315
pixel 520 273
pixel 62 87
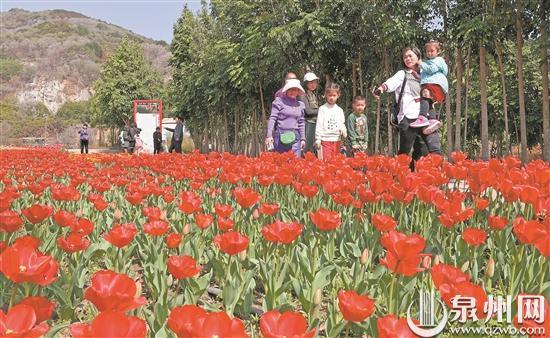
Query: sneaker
pixel 434 125
pixel 420 122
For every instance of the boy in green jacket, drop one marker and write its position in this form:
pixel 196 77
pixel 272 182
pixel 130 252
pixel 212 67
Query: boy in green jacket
pixel 357 126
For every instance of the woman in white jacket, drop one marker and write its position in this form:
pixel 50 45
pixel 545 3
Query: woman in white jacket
pixel 409 107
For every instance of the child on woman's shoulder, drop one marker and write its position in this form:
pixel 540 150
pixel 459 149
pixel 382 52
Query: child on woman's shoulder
pixel 331 124
pixel 357 126
pixel 434 86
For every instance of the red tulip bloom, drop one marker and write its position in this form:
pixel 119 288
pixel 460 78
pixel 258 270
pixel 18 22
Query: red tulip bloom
pixel 27 241
pixel 10 221
pixel 246 197
pixel 275 324
pixel 63 193
pixel 190 202
pixel 309 191
pixel 173 240
pixel 73 243
pixel 152 213
pixel 447 274
pixel 325 220
pixel 269 209
pixel 223 210
pixel 37 213
pixel 218 324
pixel 474 236
pixel 183 267
pixel 203 221
pixel 121 234
pixel 181 319
pixel 21 321
pixel 355 307
pixel 23 263
pixel 383 222
pixel 110 324
pixel 282 232
pixel 134 198
pixel 481 203
pixel 43 307
pixel 404 252
pixel 225 224
pixel 83 227
pixel 111 291
pixel 497 222
pixel 231 242
pixel 390 327
pixel 464 289
pixel 64 218
pixel 156 228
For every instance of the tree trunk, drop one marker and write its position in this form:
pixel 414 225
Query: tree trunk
pixel 545 103
pixel 256 144
pixel 360 75
pixel 466 96
pixel 236 133
pixel 377 132
pixel 388 120
pixel 262 105
pixel 498 49
pixel 458 101
pixel 449 115
pixel 353 78
pixel 483 101
pixel 521 91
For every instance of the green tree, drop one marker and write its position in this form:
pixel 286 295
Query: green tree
pixel 125 76
pixel 76 111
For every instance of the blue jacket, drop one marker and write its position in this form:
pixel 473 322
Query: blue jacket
pixel 434 71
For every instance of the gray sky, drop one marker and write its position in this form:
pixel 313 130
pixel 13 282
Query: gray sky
pixel 153 19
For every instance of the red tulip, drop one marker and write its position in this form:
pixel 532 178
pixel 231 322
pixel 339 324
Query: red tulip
pixel 156 228
pixel 218 324
pixel 10 221
pixel 37 213
pixel 223 210
pixel 464 289
pixel 181 319
pixel 274 324
pixel 474 236
pixel 111 291
pixel 391 327
pixel 173 240
pixel 355 307
pixel 43 307
pixel 183 267
pixel 121 234
pixel 134 198
pixel 447 274
pixel 83 227
pixel 73 243
pixel 481 203
pixel 24 263
pixel 152 213
pixel 20 321
pixel 225 224
pixel 404 252
pixel 269 209
pixel 325 220
pixel 383 222
pixel 203 221
pixel 111 324
pixel 231 242
pixel 64 218
pixel 282 232
pixel 63 193
pixel 246 197
pixel 190 202
pixel 497 222
pixel 27 241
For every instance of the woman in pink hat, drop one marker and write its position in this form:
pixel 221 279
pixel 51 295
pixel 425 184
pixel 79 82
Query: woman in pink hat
pixel 286 127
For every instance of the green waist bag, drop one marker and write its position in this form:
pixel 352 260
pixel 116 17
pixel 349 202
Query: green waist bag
pixel 287 137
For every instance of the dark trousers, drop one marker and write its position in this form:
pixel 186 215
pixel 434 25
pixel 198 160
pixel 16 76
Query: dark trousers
pixel 310 137
pixel 158 148
pixel 83 146
pixel 413 138
pixel 175 146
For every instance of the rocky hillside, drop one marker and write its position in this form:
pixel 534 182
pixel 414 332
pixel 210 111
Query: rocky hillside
pixel 55 56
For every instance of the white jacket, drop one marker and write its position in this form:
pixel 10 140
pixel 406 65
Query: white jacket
pixel 410 102
pixel 331 123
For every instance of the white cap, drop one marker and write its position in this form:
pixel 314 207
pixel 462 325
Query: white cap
pixel 310 77
pixel 293 83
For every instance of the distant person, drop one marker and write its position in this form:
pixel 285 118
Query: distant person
pixel 288 76
pixel 125 138
pixel 311 101
pixel 132 132
pixel 357 126
pixel 84 138
pixel 139 143
pixel 331 124
pixel 157 141
pixel 285 128
pixel 177 136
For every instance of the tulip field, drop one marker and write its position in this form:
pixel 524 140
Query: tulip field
pixel 221 245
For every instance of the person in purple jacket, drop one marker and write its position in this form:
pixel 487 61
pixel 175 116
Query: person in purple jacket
pixel 286 126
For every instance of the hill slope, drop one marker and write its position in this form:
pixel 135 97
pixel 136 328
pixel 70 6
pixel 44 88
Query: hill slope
pixel 55 56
